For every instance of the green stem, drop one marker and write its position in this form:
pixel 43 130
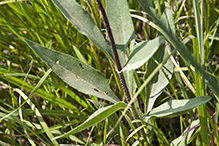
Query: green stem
pixel 199 83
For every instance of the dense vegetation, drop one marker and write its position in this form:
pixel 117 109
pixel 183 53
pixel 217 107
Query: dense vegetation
pixel 61 84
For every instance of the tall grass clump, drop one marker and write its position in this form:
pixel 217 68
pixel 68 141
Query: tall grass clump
pixel 108 72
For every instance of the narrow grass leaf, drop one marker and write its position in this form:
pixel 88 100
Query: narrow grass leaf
pixel 74 72
pixel 45 95
pixel 39 116
pixel 199 29
pixel 32 93
pixel 21 123
pixel 84 23
pixel 187 39
pixel 179 12
pixel 111 122
pixel 10 1
pixel 95 118
pixel 175 108
pixel 142 53
pixel 135 131
pixel 4 143
pixel 63 88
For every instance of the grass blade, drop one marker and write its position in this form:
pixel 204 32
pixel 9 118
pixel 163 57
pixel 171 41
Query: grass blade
pixel 39 116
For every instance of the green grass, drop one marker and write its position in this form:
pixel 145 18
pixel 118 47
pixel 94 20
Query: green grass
pixel 56 107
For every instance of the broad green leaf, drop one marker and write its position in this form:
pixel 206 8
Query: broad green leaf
pixel 142 53
pixel 84 23
pixel 77 74
pixel 149 9
pixel 95 118
pixel 177 107
pixel 120 23
pixel 183 140
pixel 156 86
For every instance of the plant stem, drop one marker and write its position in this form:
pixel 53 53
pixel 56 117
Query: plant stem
pixel 199 80
pixel 115 54
pixel 118 65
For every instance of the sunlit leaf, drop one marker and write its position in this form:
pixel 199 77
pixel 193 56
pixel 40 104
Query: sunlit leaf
pixel 95 118
pixel 142 53
pixel 177 107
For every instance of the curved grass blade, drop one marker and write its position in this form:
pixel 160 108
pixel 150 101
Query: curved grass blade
pixel 84 24
pixel 45 95
pixel 77 74
pixel 95 118
pixel 65 89
pixel 175 108
pixel 10 1
pixel 39 116
pixel 32 93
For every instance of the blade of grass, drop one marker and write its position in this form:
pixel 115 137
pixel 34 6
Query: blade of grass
pixel 32 93
pixel 39 116
pixel 199 82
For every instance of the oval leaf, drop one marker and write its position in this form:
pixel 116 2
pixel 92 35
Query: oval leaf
pixel 177 107
pixel 142 53
pixel 95 118
pixel 77 74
